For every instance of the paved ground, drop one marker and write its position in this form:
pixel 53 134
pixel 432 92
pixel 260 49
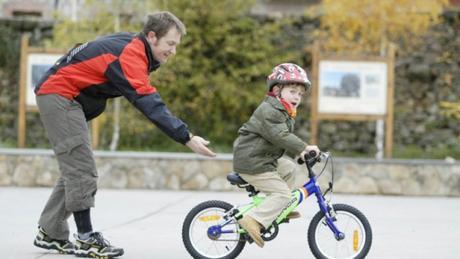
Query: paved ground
pixel 147 224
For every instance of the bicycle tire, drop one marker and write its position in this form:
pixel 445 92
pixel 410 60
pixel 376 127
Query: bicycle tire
pixel 339 209
pixel 186 228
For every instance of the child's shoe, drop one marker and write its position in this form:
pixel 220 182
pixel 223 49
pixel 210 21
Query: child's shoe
pixel 42 240
pixel 96 247
pixel 293 215
pixel 253 228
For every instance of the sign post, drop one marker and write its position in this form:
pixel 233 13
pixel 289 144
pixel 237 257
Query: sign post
pixel 353 88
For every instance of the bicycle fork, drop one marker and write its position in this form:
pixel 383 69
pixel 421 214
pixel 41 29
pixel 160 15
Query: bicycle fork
pixel 329 216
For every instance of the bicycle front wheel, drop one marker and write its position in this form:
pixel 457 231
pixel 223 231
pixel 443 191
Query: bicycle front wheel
pixel 351 222
pixel 200 242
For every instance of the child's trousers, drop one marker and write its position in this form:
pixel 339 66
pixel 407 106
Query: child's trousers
pixel 277 186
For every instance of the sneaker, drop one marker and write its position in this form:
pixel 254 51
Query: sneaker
pixel 253 228
pixel 293 215
pixel 96 247
pixel 44 241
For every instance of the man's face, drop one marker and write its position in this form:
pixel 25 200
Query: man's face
pixel 165 46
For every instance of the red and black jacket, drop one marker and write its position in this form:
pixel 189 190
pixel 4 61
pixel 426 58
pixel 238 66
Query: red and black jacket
pixel 112 66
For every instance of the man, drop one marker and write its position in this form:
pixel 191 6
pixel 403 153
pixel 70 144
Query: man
pixel 74 91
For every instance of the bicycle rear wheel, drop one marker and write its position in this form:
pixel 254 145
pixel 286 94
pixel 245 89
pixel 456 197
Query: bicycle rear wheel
pixel 350 221
pixel 204 245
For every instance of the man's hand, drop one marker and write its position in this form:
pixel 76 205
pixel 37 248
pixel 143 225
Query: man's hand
pixel 198 145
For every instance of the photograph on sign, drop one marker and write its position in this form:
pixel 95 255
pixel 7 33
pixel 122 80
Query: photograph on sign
pixel 352 87
pixel 37 65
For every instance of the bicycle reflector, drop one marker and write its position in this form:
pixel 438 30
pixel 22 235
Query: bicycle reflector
pixel 209 218
pixel 355 240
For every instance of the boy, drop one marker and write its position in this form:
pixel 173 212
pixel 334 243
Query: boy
pixel 264 139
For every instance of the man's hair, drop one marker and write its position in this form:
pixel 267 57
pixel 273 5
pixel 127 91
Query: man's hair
pixel 161 23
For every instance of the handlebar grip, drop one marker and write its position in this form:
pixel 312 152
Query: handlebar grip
pixel 300 161
pixel 311 154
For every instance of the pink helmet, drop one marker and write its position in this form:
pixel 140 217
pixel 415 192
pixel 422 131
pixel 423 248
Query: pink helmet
pixel 288 73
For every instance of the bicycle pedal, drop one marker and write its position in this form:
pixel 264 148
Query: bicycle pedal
pixel 247 238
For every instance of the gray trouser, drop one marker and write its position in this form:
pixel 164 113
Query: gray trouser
pixel 68 133
pixel 278 186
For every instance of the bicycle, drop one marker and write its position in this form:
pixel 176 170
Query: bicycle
pixel 211 231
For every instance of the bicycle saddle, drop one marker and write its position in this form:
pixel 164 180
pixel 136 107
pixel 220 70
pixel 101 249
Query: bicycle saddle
pixel 235 179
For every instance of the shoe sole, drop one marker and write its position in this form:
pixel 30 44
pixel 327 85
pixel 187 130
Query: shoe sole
pixel 257 239
pixel 52 246
pixel 254 236
pixel 92 254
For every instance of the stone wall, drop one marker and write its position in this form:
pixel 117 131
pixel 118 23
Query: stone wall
pixel 174 171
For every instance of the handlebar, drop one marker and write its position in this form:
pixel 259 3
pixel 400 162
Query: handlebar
pixel 311 154
pixel 311 159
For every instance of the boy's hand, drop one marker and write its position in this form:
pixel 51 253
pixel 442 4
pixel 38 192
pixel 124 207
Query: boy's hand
pixel 199 145
pixel 308 149
pixel 313 148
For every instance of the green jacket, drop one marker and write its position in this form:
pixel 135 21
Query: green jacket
pixel 265 138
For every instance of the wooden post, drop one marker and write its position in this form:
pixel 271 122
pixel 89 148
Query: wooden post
pixel 314 95
pixel 390 103
pixel 22 92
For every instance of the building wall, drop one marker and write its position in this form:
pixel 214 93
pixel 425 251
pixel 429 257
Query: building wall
pixel 174 171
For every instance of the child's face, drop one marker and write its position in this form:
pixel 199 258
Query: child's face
pixel 292 94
